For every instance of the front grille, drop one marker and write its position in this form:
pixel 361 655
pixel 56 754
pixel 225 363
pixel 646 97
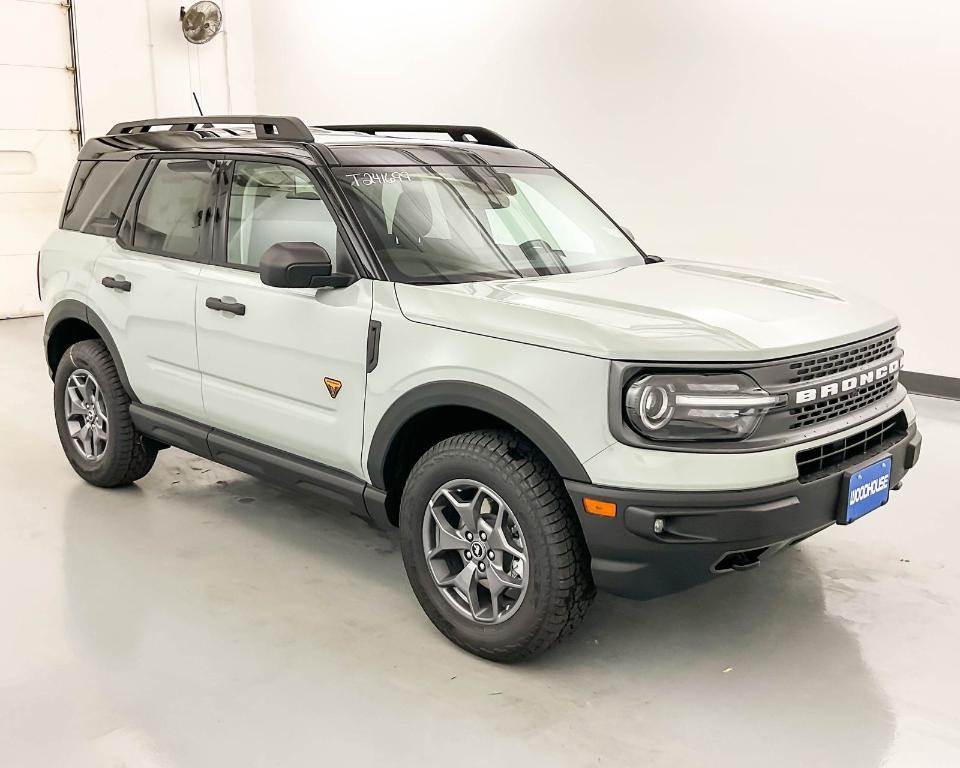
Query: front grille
pixel 814 462
pixel 848 402
pixel 814 374
pixel 830 363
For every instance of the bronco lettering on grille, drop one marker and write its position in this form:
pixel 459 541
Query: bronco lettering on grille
pixel 834 388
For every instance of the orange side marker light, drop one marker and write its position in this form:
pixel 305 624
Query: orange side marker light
pixel 601 508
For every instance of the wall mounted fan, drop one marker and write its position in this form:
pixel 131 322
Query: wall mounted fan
pixel 201 22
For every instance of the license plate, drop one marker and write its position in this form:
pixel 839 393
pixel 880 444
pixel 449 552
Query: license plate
pixel 866 489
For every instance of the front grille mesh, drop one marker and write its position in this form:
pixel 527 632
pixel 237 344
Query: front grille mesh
pixel 848 402
pixel 814 461
pixel 830 363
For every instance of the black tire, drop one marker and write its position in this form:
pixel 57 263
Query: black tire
pixel 560 587
pixel 128 455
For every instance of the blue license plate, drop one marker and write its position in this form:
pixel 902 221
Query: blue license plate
pixel 866 489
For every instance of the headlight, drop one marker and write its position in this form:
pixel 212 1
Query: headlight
pixel 721 406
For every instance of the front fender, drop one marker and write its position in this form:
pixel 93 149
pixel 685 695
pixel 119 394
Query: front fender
pixel 478 397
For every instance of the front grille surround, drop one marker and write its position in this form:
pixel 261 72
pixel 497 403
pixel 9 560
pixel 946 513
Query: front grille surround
pixel 789 423
pixel 814 463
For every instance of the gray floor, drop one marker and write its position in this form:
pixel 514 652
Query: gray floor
pixel 203 618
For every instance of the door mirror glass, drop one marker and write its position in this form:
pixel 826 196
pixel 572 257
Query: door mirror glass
pixel 299 265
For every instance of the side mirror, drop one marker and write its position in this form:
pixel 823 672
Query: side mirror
pixel 629 234
pixel 300 265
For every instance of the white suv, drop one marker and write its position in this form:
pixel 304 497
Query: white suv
pixel 448 336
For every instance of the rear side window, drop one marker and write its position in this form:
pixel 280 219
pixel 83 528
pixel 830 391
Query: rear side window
pixel 99 196
pixel 171 210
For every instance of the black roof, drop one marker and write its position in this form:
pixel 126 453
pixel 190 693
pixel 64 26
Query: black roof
pixel 345 145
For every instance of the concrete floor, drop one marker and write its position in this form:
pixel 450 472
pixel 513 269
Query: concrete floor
pixel 203 618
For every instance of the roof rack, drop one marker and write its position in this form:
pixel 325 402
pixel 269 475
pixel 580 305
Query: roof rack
pixel 267 126
pixel 470 133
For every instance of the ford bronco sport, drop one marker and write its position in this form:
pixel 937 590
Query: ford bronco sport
pixel 441 332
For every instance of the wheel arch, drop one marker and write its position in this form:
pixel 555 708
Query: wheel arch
pixel 70 321
pixel 478 406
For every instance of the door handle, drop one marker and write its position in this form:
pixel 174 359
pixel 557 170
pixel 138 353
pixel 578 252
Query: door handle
pixel 119 285
pixel 233 307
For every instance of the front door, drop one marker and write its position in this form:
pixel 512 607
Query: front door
pixel 285 367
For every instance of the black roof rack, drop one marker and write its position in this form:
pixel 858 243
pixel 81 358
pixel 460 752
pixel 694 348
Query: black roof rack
pixel 469 133
pixel 267 126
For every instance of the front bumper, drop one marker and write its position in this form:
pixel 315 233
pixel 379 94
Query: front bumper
pixel 706 533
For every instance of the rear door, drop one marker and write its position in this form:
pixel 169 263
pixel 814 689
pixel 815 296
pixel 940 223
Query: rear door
pixel 145 282
pixel 290 371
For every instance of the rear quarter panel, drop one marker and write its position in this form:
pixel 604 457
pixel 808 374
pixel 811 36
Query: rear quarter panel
pixel 67 266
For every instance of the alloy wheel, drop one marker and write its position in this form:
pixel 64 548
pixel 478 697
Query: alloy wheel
pixel 475 551
pixel 86 415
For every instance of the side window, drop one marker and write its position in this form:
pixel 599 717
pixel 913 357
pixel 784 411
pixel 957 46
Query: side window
pixel 273 203
pixel 171 211
pixel 99 196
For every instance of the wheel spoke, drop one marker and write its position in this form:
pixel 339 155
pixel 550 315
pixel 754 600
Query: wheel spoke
pixel 74 401
pixel 90 390
pixel 483 504
pixel 98 433
pixel 498 540
pixel 465 509
pixel 448 537
pixel 472 594
pixel 85 440
pixel 498 581
pixel 494 603
pixel 466 583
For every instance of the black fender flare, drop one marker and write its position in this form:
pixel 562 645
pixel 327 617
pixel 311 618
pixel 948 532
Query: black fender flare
pixel 480 398
pixel 71 309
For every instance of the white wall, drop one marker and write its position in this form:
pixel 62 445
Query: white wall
pixel 820 137
pixel 134 63
pixel 37 141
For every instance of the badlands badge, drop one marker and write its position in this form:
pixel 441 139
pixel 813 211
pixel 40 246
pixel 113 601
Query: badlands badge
pixel 333 386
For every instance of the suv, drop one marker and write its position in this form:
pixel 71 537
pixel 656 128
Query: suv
pixel 442 333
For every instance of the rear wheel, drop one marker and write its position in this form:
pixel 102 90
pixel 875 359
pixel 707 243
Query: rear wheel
pixel 492 546
pixel 92 411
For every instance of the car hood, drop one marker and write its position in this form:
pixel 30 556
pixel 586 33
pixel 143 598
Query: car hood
pixel 674 311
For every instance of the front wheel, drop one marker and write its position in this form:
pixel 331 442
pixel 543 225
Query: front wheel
pixel 492 547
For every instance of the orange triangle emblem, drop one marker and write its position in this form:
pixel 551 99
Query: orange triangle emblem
pixel 333 386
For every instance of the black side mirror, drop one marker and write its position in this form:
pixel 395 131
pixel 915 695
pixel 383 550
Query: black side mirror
pixel 300 265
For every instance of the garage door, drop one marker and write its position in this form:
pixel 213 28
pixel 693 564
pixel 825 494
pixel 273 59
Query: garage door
pixel 38 140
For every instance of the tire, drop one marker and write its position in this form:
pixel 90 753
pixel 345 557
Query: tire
pixel 554 568
pixel 124 456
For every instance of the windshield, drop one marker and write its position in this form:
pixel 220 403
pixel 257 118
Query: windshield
pixel 451 224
